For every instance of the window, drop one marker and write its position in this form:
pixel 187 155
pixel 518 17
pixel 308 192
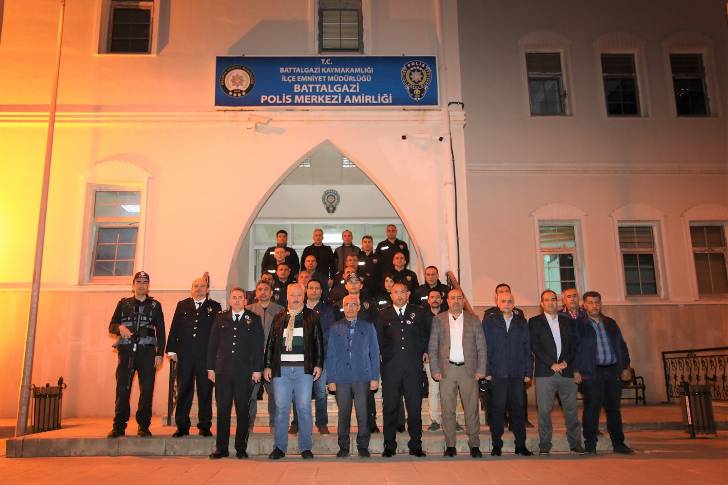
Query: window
pixel 545 83
pixel 346 163
pixel 558 250
pixel 637 244
pixel 130 26
pixel 709 251
pixel 115 229
pixel 340 26
pixel 688 79
pixel 620 85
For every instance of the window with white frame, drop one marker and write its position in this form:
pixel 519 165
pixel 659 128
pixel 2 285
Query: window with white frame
pixel 546 90
pixel 688 80
pixel 639 259
pixel 340 26
pixel 620 84
pixel 114 231
pixel 129 28
pixel 709 253
pixel 557 243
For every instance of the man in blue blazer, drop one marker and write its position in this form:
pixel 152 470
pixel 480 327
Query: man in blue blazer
pixel 508 366
pixel 602 360
pixel 352 363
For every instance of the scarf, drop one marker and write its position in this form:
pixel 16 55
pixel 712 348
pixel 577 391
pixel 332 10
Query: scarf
pixel 289 329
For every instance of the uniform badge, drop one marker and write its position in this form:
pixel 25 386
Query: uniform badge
pixel 237 81
pixel 401 246
pixel 408 322
pixel 375 260
pixel 209 309
pixel 412 316
pixel 366 305
pixel 409 278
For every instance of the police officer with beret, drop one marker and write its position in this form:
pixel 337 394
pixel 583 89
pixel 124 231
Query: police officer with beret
pixel 187 345
pixel 139 323
pixel 402 343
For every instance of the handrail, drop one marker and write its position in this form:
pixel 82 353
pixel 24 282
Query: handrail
pixel 696 366
pixel 455 284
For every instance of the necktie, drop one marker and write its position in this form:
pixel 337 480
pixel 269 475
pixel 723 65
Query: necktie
pixel 237 318
pixel 401 313
pixel 199 304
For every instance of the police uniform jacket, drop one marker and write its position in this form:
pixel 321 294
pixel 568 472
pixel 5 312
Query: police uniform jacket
pixel 385 252
pixel 143 318
pixel 409 278
pixel 421 292
pixel 326 263
pixel 280 289
pixel 342 252
pixel 291 259
pixel 383 300
pixel 313 342
pixel 190 330
pixel 236 348
pixel 369 271
pixel 402 341
pixel 368 309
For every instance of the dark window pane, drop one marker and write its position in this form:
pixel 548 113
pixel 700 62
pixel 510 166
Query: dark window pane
pixel 715 237
pixel 126 251
pixel 697 235
pixel 702 273
pixel 124 268
pixel 543 63
pixel 711 274
pixel 103 268
pixel 127 234
pixel 618 64
pixel 130 29
pixel 105 252
pixel 340 29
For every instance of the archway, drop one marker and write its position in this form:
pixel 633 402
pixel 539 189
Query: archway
pixel 297 206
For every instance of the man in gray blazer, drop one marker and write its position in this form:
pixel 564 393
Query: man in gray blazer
pixel 457 360
pixel 266 310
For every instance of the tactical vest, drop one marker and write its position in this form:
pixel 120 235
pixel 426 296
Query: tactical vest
pixel 139 323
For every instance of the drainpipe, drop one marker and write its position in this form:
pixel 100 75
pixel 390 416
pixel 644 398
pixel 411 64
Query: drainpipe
pixel 24 401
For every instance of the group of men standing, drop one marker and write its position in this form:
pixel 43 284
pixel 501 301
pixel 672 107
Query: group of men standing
pixel 287 338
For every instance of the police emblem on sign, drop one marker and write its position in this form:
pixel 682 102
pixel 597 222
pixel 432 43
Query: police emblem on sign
pixel 416 77
pixel 330 199
pixel 237 81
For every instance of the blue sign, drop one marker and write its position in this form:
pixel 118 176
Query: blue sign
pixel 326 81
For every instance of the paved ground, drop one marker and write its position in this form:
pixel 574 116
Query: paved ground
pixel 664 457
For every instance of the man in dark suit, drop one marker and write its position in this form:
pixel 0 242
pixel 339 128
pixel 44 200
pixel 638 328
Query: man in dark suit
pixel 234 363
pixel 187 346
pixel 602 358
pixel 401 332
pixel 509 365
pixel 553 341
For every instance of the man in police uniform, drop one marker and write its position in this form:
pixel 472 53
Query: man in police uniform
pixel 401 332
pixel 279 256
pixel 281 280
pixel 187 346
pixel 403 275
pixel 367 306
pixel 432 282
pixel 369 266
pixel 386 249
pixel 139 323
pixel 234 364
pixel 291 255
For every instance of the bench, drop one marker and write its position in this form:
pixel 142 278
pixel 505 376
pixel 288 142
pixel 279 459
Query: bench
pixel 635 383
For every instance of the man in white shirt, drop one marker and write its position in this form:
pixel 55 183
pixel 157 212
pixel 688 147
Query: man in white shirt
pixel 553 341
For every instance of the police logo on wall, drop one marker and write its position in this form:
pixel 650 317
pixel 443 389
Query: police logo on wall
pixel 416 77
pixel 331 200
pixel 237 81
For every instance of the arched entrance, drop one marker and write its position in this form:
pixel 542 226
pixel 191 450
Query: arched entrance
pixel 297 206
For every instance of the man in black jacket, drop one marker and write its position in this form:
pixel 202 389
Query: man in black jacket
pixel 326 263
pixel 294 359
pixel 402 343
pixel 187 346
pixel 291 255
pixel 234 363
pixel 139 323
pixel 602 358
pixel 386 249
pixel 553 341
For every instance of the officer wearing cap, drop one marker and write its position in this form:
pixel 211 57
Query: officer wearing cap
pixel 187 345
pixel 386 249
pixel 139 323
pixel 367 306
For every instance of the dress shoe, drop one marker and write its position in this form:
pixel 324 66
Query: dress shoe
pixel 496 451
pixel 400 429
pixel 523 451
pixel 241 455
pixel 205 432
pixel 323 429
pixel 293 429
pixel 363 452
pixel 475 452
pixel 529 424
pixel 458 427
pixel 276 454
pixel 343 453
pixel 434 426
pixel 450 451
pixel 144 432
pixel 578 449
pixel 388 453
pixel 544 451
pixel 374 429
pixel 115 433
pixel 590 450
pixel 180 433
pixel 307 455
pixel 623 449
pixel 217 454
pixel 419 453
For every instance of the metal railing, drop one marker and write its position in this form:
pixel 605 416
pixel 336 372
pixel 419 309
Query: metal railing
pixel 698 367
pixel 455 284
pixel 171 392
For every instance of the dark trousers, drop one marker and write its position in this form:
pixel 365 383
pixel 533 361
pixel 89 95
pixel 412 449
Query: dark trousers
pixel 358 394
pixel 507 393
pixel 372 410
pixel 231 389
pixel 603 389
pixel 254 404
pixel 191 373
pixel 399 380
pixel 141 363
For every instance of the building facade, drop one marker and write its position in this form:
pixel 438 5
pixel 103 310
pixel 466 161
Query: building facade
pixel 578 165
